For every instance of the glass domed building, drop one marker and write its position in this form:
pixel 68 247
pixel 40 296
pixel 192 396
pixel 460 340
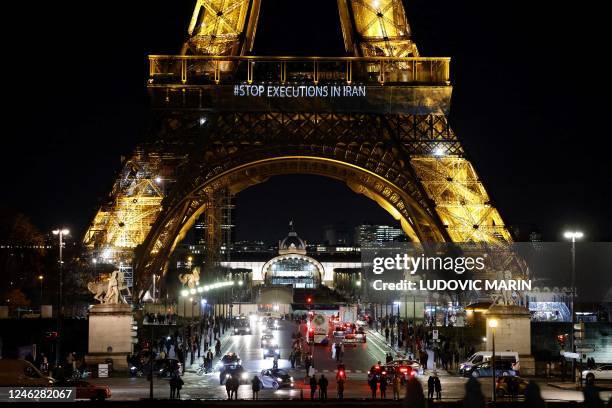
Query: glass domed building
pixel 292 266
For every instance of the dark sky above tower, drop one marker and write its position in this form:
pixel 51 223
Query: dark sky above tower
pixel 530 105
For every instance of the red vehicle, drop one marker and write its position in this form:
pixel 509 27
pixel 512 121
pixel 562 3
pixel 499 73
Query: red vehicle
pixel 87 390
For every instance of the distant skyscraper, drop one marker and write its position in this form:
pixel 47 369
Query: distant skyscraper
pixel 376 233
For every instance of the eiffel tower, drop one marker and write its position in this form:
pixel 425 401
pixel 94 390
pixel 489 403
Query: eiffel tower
pixel 227 120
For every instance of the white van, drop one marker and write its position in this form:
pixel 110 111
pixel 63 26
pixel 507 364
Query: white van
pixel 482 356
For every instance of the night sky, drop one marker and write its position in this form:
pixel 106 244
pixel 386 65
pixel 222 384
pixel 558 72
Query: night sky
pixel 530 103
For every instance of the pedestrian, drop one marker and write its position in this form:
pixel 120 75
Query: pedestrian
pixel 533 397
pixel 383 387
pixel 228 387
pixel 292 359
pixel 340 387
pixel 414 394
pixel 255 386
pixel 179 385
pixel 373 383
pixel 173 386
pixel 397 383
pixel 323 387
pixel 473 394
pixel 430 387
pixel 235 386
pixel 388 358
pixel 387 334
pixel 334 351
pixel 437 386
pixel 313 387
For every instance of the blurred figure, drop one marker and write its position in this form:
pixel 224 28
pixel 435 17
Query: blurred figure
pixel 437 386
pixel 473 395
pixel 533 397
pixel 414 394
pixel 255 386
pixel 373 384
pixel 383 387
pixel 397 383
pixel 430 387
pixel 313 386
pixel 591 397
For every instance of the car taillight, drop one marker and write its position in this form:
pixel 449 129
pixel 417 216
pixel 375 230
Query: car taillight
pixel 404 370
pixel 384 373
pixel 413 373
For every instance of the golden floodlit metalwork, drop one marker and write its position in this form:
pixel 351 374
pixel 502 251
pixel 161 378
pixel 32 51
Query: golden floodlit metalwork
pixel 394 144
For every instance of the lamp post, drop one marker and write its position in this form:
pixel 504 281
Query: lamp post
pixel 573 236
pixel 40 279
pixel 60 232
pixel 493 325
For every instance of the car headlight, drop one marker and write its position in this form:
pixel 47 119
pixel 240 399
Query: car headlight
pixel 279 379
pixel 248 329
pixel 227 376
pixel 291 379
pixel 235 330
pixel 245 376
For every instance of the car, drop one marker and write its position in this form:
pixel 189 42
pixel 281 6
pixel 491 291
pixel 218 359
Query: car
pixel 87 390
pixel 510 385
pixel 350 340
pixel 603 372
pixel 275 379
pixel 229 358
pixel 235 371
pixel 267 340
pixel 270 351
pixel 415 365
pixel 485 369
pixel 339 332
pixel 242 326
pixel 166 367
pixel 360 335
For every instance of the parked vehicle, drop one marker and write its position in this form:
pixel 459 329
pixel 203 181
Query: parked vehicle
pixel 275 379
pixel 485 369
pixel 510 385
pixel 482 356
pixel 22 373
pixel 603 372
pixel 87 390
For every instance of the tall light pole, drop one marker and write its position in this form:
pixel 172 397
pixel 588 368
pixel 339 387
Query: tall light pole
pixel 493 325
pixel 40 279
pixel 60 232
pixel 573 236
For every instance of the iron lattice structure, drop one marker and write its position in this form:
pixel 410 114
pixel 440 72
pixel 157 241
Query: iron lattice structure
pixel 395 146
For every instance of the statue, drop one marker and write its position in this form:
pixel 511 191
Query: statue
pixel 191 279
pixel 98 289
pixel 110 292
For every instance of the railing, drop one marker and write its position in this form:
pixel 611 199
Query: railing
pixel 203 70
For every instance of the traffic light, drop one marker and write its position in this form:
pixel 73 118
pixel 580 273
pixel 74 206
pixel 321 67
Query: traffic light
pixel 309 300
pixel 561 340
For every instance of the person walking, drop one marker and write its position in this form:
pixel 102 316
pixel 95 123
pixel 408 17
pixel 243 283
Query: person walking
pixel 323 383
pixel 173 386
pixel 228 388
pixel 340 387
pixel 372 383
pixel 437 386
pixel 397 383
pixel 313 387
pixel 255 386
pixel 383 387
pixel 235 386
pixel 430 387
pixel 179 385
pixel 387 334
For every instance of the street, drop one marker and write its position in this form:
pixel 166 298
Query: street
pixel 357 361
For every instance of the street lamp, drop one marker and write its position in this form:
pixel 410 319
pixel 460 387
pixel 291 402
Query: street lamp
pixel 573 236
pixel 40 279
pixel 60 232
pixel 493 325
